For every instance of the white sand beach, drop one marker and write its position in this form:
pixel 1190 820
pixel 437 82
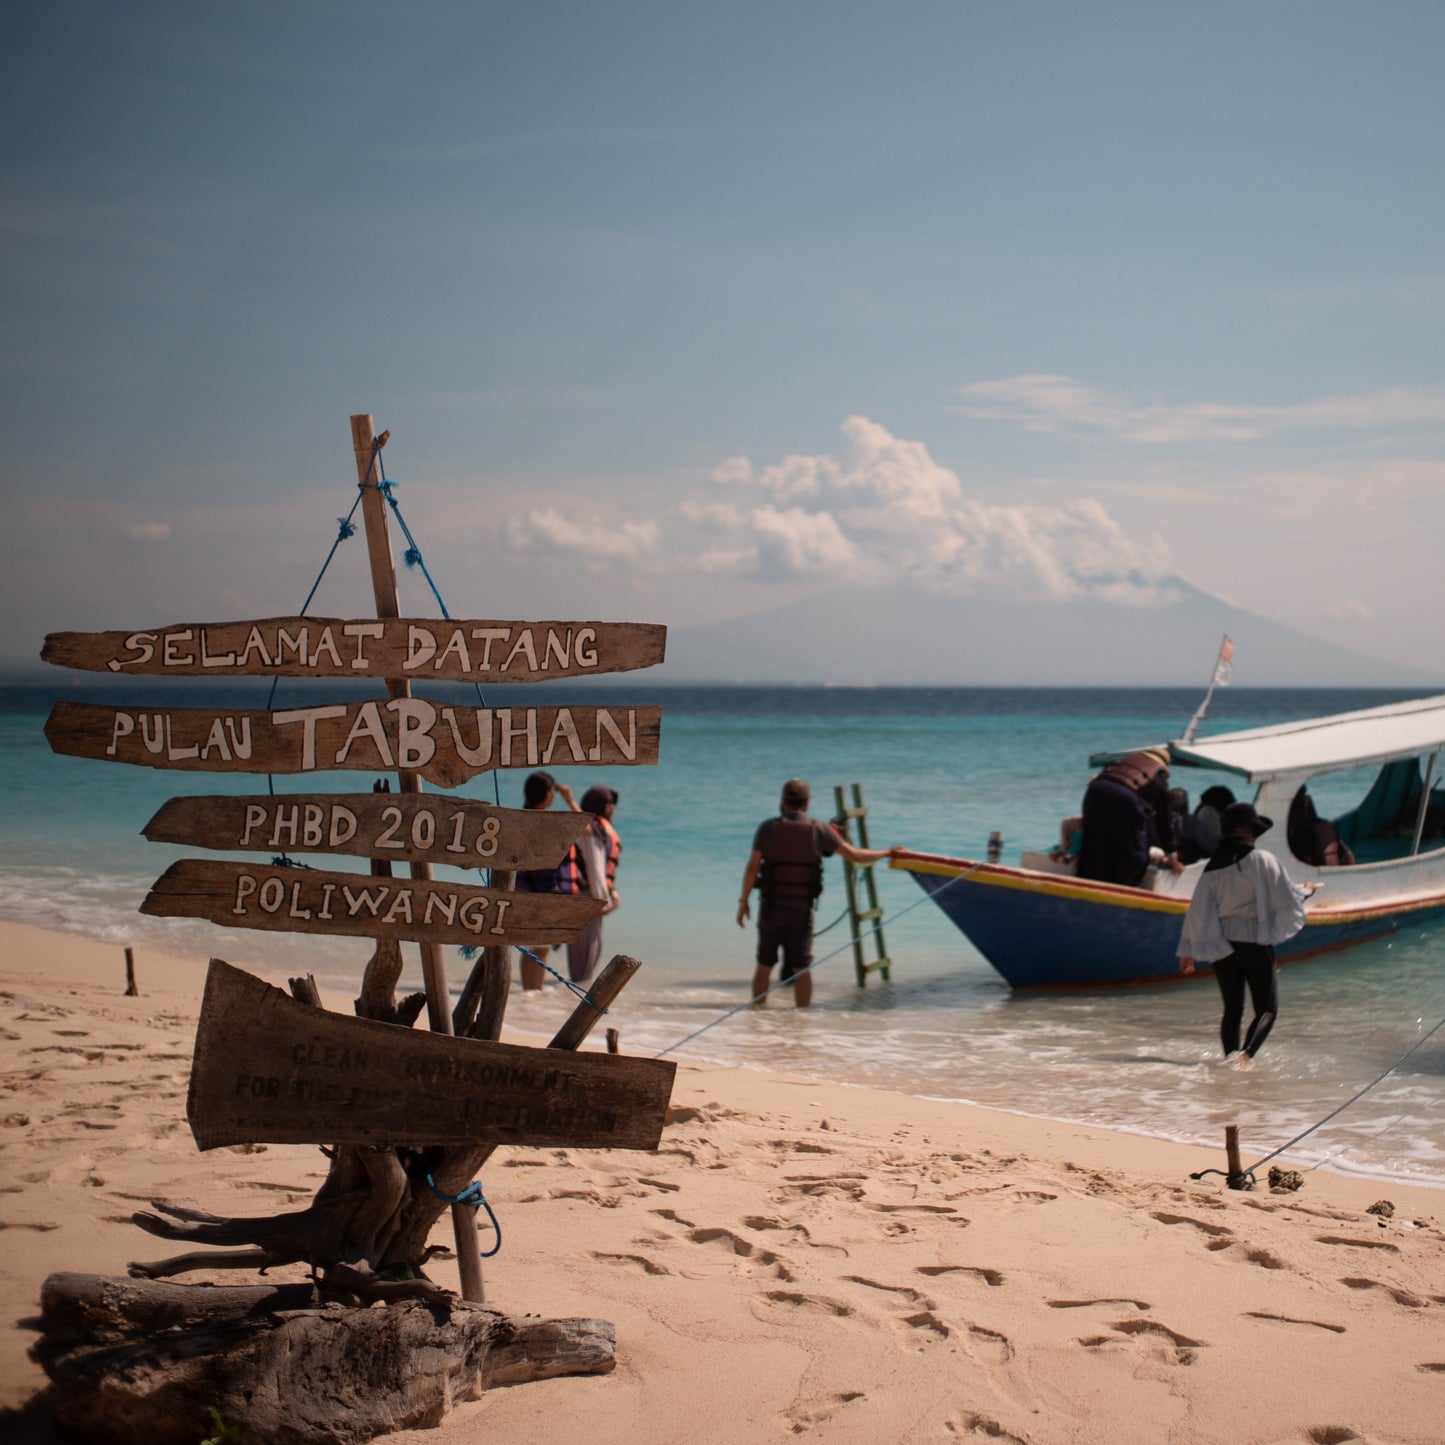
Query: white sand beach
pixel 798 1259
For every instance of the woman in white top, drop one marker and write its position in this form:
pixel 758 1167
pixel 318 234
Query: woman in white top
pixel 1243 905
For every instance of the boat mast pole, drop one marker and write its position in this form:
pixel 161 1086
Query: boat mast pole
pixel 1218 678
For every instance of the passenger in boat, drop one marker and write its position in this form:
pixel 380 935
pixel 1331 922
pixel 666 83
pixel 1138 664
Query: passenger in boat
pixel 1313 839
pixel 787 865
pixel 539 792
pixel 598 851
pixel 1071 839
pixel 1126 813
pixel 1243 906
pixel 1210 812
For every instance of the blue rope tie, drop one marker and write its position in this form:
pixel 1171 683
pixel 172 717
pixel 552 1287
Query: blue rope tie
pixel 473 1196
pixel 468 951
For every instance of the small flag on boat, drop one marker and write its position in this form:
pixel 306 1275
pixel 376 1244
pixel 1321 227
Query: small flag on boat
pixel 1223 671
pixel 1224 667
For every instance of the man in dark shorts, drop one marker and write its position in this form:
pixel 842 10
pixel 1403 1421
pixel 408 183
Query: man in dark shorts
pixel 787 864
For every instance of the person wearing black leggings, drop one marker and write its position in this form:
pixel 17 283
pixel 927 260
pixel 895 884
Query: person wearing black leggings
pixel 1243 905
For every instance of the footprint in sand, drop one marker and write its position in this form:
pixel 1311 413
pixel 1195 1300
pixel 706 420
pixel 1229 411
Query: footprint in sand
pixel 648 1266
pixel 1165 1217
pixel 1357 1243
pixel 916 1311
pixel 1169 1346
pixel 1264 1258
pixel 757 1257
pixel 971 1424
pixel 1291 1320
pixel 782 1303
pixel 1083 1304
pixel 1400 1296
pixel 803 1415
pixel 991 1277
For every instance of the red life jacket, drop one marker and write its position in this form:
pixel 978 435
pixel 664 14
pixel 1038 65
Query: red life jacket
pixel 608 834
pixel 792 869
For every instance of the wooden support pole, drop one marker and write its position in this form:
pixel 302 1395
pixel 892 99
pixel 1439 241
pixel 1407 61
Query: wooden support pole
pixel 367 447
pixel 614 1041
pixel 131 991
pixel 1235 1177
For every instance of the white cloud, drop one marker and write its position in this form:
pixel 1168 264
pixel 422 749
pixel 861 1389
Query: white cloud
pixel 1059 404
pixel 878 510
pixel 884 509
pixel 547 531
pixel 149 531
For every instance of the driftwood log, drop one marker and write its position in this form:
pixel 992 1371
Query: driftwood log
pixel 144 1363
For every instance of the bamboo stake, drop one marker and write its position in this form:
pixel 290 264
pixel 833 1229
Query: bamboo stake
pixel 367 446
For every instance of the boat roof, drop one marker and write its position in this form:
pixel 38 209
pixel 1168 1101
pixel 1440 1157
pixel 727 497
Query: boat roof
pixel 1322 744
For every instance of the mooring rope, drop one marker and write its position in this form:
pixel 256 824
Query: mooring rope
pixel 1333 1114
pixel 877 928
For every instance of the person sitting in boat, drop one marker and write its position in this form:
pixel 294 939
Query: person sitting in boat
pixel 1197 834
pixel 1243 905
pixel 1210 813
pixel 1071 839
pixel 1313 839
pixel 1126 819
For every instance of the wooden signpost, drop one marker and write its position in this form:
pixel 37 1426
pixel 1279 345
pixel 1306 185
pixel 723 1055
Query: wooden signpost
pixel 270 1069
pixel 460 831
pixel 309 900
pixel 444 744
pixel 425 650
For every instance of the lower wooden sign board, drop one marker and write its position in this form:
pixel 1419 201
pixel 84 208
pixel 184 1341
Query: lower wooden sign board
pixel 308 900
pixel 442 743
pixel 270 1070
pixel 413 827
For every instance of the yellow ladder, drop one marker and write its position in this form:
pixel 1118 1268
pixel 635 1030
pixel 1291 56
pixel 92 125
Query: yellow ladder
pixel 858 878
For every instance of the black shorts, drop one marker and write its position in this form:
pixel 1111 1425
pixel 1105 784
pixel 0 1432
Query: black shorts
pixel 787 927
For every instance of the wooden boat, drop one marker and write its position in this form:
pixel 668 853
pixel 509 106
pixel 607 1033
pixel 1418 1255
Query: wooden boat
pixel 1040 926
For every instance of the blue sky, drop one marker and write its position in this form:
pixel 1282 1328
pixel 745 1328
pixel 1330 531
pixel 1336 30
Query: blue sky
pixel 680 311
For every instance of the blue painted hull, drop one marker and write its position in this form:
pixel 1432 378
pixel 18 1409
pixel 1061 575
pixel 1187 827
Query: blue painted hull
pixel 1041 931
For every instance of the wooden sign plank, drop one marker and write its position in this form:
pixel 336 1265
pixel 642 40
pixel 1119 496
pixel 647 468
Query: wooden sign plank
pixel 269 1070
pixel 444 744
pixel 404 647
pixel 308 900
pixel 425 827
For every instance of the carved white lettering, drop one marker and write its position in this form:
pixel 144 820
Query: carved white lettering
pixel 308 717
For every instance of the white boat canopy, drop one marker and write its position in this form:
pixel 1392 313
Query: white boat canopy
pixel 1322 745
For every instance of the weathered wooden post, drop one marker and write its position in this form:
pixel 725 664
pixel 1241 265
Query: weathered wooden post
pixel 367 447
pixel 412 1114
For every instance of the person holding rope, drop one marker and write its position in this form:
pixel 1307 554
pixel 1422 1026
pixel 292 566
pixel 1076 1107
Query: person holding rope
pixel 787 866
pixel 1243 905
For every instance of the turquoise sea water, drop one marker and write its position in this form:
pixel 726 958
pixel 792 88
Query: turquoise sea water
pixel 940 769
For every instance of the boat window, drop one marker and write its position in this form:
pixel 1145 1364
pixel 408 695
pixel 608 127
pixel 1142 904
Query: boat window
pixel 1374 810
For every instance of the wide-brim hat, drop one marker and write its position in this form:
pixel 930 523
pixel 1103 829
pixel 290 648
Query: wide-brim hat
pixel 1241 818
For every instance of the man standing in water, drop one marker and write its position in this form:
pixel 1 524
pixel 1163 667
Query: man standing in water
pixel 787 864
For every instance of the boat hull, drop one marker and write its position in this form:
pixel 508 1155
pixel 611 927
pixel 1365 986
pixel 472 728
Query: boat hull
pixel 1040 931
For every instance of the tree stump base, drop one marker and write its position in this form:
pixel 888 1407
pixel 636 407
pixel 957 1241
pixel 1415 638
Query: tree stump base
pixel 143 1362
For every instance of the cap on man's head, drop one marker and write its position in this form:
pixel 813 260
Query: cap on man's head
pixel 795 793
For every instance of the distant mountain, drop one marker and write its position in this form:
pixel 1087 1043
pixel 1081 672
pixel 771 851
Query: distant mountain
pixel 904 635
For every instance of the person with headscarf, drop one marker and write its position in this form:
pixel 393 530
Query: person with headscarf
pixel 1312 839
pixel 598 851
pixel 1126 813
pixel 1243 906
